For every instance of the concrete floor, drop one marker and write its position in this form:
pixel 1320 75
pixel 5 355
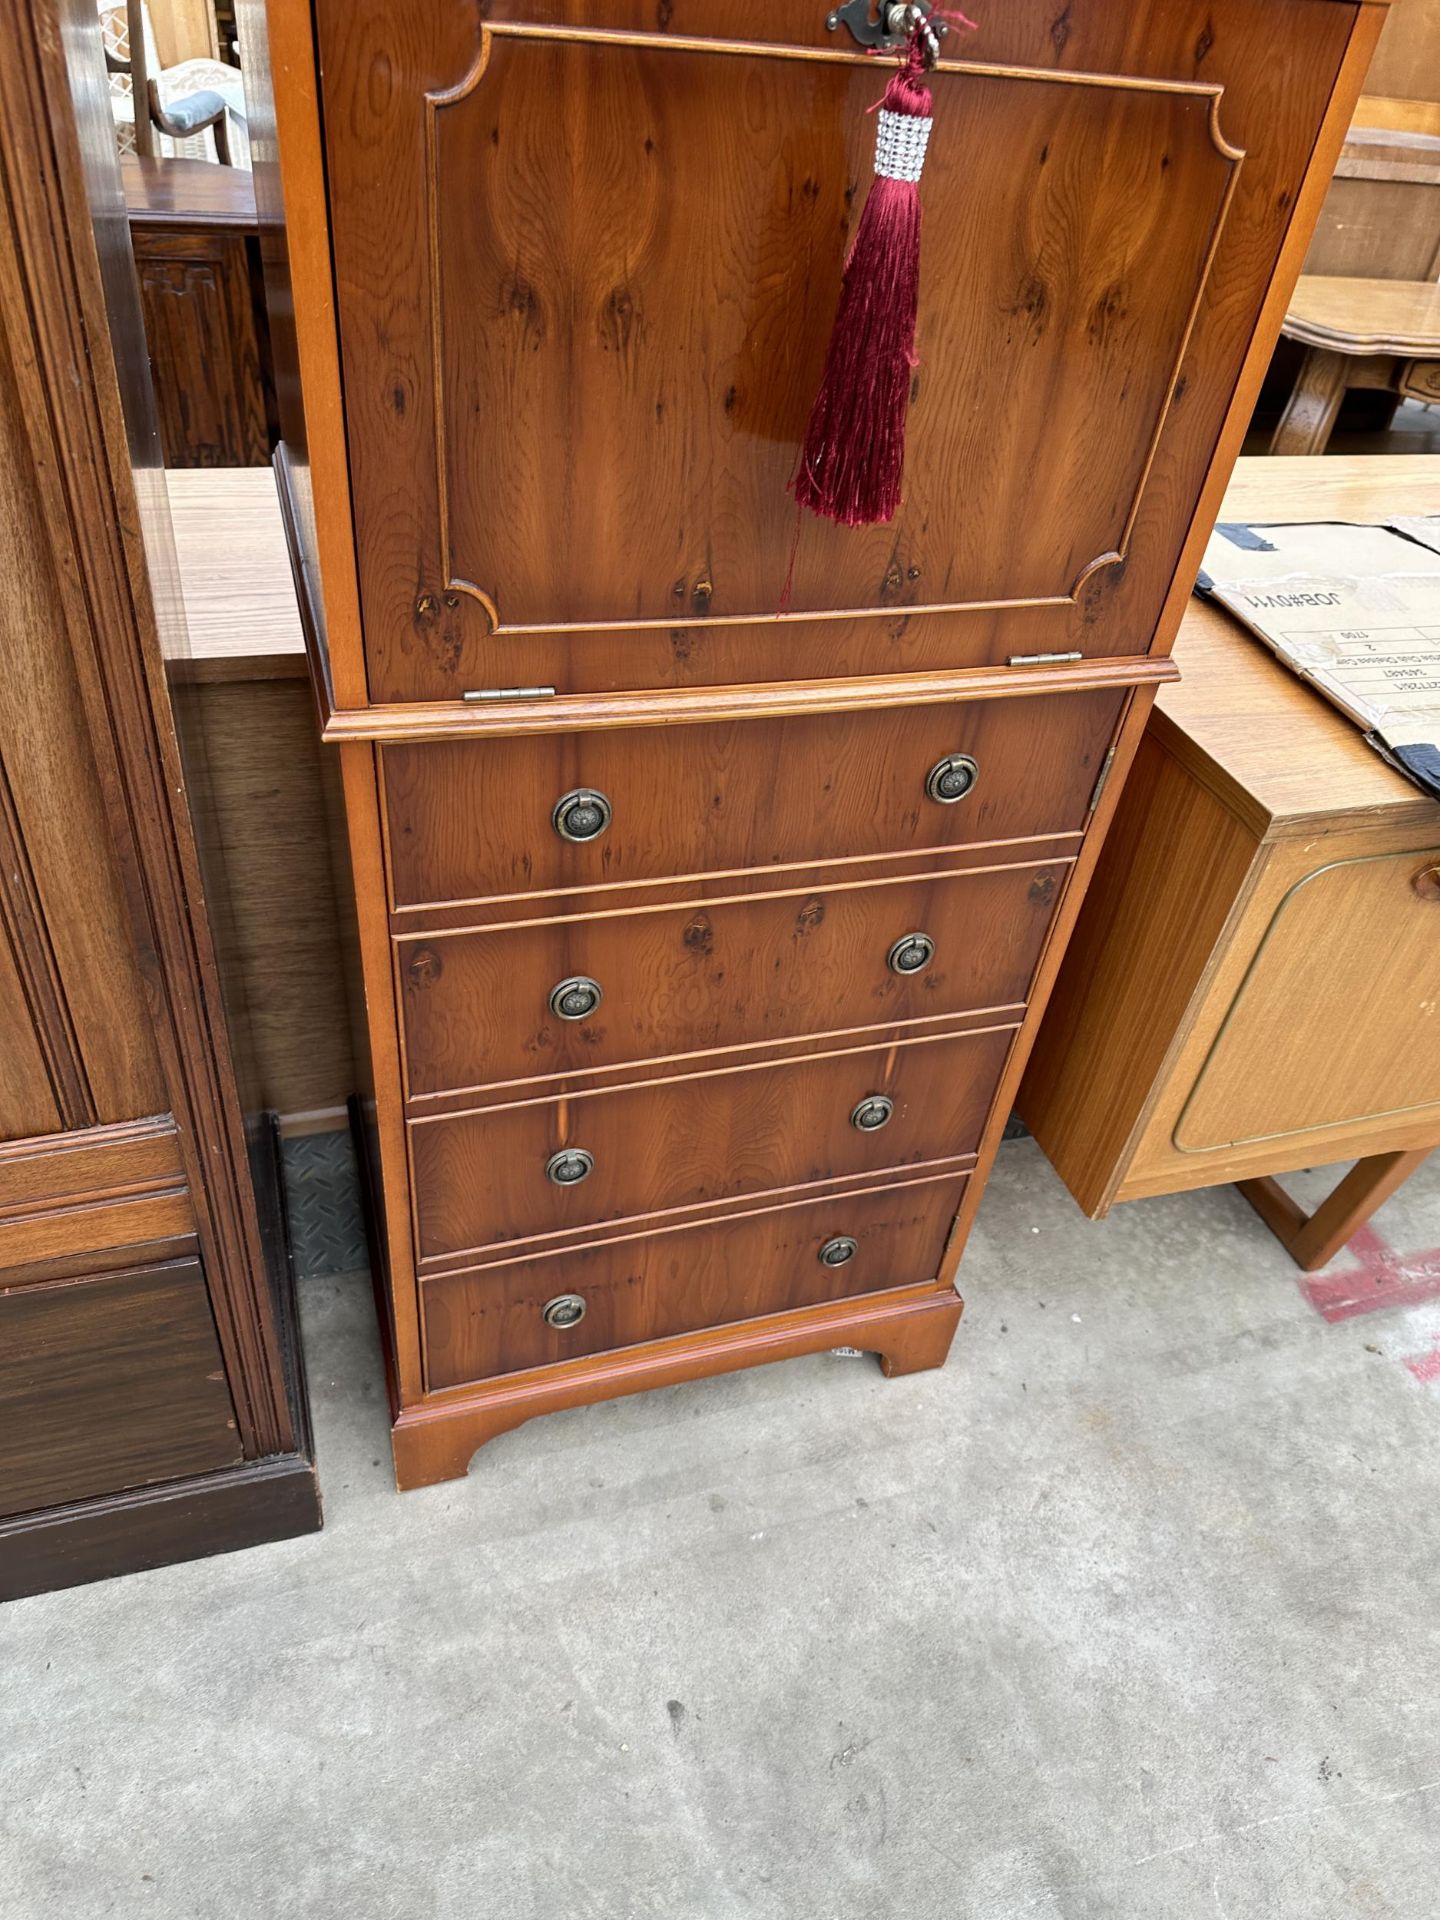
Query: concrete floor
pixel 1131 1612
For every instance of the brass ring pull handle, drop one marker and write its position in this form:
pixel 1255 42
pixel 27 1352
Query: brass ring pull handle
pixel 952 778
pixel 569 1167
pixel 576 998
pixel 839 1252
pixel 1427 882
pixel 564 1311
pixel 873 1112
pixel 911 953
pixel 580 815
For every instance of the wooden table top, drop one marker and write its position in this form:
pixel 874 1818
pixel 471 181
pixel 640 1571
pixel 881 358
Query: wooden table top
pixel 235 574
pixel 1365 316
pixel 1275 750
pixel 194 194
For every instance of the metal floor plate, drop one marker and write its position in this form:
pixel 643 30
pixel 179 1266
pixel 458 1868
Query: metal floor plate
pixel 322 1204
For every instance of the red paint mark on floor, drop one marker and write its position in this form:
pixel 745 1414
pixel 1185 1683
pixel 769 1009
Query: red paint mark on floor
pixel 1425 1366
pixel 1381 1278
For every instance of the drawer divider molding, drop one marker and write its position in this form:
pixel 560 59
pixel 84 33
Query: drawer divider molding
pixel 695 706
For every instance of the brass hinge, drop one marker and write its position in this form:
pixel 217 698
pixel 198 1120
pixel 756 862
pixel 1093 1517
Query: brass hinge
pixel 509 693
pixel 1105 767
pixel 1042 659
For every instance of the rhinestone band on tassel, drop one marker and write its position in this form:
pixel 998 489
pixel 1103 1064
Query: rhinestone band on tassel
pixel 900 145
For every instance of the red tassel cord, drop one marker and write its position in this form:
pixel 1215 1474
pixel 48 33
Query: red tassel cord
pixel 853 460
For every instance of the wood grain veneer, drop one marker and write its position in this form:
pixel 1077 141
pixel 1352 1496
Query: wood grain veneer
pixel 140 1340
pixel 741 974
pixel 1020 579
pixel 110 1382
pixel 555 372
pixel 662 1285
pixel 690 1142
pixel 91 1190
pixel 1378 334
pixel 243 684
pixel 466 821
pixel 176 191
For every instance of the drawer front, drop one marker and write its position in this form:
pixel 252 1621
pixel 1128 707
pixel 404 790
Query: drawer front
pixel 484 1179
pixel 651 1288
pixel 475 819
pixel 508 1004
pixel 109 1382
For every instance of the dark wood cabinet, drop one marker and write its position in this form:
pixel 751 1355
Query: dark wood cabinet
pixel 110 1381
pixel 196 243
pixel 150 1408
pixel 698 987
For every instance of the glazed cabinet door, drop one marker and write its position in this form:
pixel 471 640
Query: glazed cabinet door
pixel 587 257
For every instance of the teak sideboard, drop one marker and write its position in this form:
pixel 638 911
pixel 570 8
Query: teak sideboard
pixel 1252 985
pixel 703 944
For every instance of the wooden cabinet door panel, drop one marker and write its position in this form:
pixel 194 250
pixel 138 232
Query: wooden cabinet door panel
pixel 110 1382
pixel 586 272
pixel 651 1288
pixel 481 1179
pixel 205 348
pixel 743 973
pixel 1320 969
pixel 472 820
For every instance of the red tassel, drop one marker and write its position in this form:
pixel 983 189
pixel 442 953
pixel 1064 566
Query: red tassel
pixel 853 459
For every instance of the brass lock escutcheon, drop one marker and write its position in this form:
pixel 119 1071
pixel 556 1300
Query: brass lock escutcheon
pixel 839 1251
pixel 873 1112
pixel 565 1310
pixel 911 953
pixel 576 998
pixel 580 815
pixel 952 778
pixel 569 1166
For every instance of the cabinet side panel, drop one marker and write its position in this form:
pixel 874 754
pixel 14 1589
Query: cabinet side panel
pixel 291 206
pixel 1169 874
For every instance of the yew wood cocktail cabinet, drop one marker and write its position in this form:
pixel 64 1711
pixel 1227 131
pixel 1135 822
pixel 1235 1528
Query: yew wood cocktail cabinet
pixel 702 943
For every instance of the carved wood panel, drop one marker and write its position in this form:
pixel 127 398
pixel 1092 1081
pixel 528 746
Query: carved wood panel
pixel 205 351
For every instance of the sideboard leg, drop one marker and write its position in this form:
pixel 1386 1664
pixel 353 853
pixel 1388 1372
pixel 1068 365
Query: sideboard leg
pixel 1312 1240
